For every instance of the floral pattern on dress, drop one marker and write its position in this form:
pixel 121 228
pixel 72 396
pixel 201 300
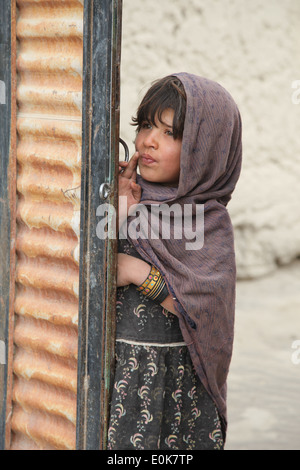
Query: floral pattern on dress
pixel 158 401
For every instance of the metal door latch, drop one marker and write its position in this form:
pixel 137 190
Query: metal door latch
pixel 104 191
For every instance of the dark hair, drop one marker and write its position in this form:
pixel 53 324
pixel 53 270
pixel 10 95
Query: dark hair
pixel 165 93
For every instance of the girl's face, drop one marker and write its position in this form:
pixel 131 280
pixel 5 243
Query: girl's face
pixel 159 152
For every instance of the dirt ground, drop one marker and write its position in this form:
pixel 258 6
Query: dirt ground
pixel 264 379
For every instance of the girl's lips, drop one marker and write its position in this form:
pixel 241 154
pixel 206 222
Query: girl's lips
pixel 147 159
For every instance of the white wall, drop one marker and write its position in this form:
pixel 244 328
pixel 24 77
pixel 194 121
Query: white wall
pixel 253 50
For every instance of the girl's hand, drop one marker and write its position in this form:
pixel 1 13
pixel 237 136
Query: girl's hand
pixel 127 182
pixel 131 270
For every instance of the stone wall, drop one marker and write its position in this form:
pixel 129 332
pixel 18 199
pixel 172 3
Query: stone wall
pixel 253 50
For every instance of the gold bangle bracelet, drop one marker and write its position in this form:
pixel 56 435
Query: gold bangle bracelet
pixel 154 286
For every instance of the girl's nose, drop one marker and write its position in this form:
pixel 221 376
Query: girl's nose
pixel 151 139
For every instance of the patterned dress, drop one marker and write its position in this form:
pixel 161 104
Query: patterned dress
pixel 158 401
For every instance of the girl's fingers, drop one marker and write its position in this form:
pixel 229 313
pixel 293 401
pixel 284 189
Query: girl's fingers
pixel 130 168
pixel 122 166
pixel 136 191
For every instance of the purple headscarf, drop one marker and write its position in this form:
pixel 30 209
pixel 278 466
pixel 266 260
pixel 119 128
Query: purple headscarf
pixel 203 281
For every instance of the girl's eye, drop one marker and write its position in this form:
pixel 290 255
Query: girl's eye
pixel 170 133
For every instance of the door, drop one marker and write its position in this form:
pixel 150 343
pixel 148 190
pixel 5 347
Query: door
pixel 58 148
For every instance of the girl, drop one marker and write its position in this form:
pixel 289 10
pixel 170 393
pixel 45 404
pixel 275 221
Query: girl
pixel 175 309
